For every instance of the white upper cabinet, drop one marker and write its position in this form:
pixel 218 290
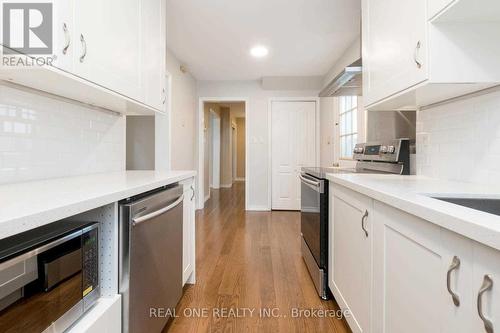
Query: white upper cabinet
pixel 463 10
pixel 110 54
pixel 107 49
pixel 153 59
pixel 417 53
pixel 394 47
pixel 63 33
pixel 436 6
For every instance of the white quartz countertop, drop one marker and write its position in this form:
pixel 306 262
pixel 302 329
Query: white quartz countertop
pixel 412 194
pixel 25 206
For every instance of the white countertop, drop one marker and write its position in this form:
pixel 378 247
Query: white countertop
pixel 411 194
pixel 24 206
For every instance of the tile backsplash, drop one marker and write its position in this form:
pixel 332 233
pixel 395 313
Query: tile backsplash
pixel 43 137
pixel 461 140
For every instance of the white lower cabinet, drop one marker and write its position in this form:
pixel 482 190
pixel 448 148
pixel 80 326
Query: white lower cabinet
pixel 350 277
pixel 412 258
pixel 408 275
pixel 188 241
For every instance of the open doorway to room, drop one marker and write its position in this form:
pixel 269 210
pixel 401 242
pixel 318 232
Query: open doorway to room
pixel 222 148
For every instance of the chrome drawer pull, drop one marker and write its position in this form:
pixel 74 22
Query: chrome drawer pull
pixel 455 264
pixel 363 220
pixel 84 45
pixel 415 56
pixel 67 38
pixel 487 285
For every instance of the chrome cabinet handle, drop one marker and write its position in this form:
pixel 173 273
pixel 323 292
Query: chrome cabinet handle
pixel 487 285
pixel 455 264
pixel 164 96
pixel 415 56
pixel 84 45
pixel 192 189
pixel 67 38
pixel 363 220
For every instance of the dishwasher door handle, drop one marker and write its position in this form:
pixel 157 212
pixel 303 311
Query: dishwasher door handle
pixel 156 213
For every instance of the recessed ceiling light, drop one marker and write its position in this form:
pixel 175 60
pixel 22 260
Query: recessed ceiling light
pixel 259 51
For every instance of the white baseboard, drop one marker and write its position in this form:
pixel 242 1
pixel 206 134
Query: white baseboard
pixel 226 185
pixel 238 179
pixel 258 208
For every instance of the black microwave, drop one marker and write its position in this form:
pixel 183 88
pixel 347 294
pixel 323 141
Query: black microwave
pixel 49 276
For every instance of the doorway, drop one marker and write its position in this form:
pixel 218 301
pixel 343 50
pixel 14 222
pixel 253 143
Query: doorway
pixel 294 144
pixel 222 148
pixel 213 150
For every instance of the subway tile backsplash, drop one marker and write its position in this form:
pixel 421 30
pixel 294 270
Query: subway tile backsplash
pixel 42 137
pixel 461 140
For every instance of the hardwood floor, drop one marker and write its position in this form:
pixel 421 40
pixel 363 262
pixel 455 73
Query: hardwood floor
pixel 247 262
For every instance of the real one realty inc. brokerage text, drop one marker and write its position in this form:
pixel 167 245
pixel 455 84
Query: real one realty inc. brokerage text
pixel 223 312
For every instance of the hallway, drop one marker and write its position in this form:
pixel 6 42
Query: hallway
pixel 248 262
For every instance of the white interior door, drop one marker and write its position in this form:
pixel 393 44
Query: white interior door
pixel 293 146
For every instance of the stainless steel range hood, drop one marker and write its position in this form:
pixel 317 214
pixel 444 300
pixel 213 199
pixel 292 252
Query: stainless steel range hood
pixel 348 83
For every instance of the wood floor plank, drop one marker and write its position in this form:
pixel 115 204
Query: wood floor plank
pixel 249 261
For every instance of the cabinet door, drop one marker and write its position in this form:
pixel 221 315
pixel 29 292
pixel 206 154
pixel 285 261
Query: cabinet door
pixel 188 257
pixel 412 258
pixel 352 256
pixel 394 44
pixel 487 277
pixel 64 34
pixel 108 38
pixel 153 50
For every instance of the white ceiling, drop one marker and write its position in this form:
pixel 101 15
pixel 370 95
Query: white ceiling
pixel 305 37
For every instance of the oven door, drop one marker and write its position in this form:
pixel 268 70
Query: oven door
pixel 311 223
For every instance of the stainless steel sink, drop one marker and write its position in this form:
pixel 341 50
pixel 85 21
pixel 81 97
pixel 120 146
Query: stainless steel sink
pixel 491 206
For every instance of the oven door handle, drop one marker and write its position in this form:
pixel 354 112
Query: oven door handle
pixel 310 182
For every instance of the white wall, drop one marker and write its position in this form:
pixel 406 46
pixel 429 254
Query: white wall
pixel 258 129
pixel 140 143
pixel 183 114
pixel 328 139
pixel 43 137
pixel 292 82
pixel 461 140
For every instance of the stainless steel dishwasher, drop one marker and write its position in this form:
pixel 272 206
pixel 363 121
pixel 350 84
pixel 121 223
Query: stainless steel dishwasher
pixel 150 265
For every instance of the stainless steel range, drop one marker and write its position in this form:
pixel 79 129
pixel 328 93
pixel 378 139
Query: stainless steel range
pixel 390 157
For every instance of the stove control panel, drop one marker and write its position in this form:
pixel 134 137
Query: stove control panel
pixel 381 151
